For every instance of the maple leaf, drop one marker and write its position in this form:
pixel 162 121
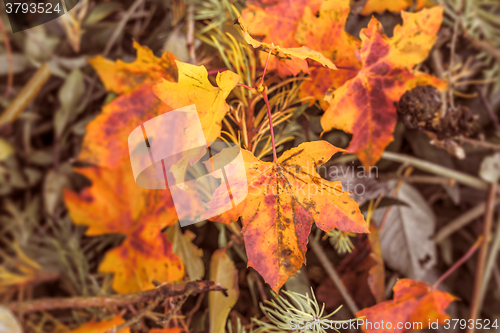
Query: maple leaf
pixel 283 201
pixel 380 6
pixel 293 56
pixel 101 326
pixel 115 204
pixel 325 33
pixel 106 141
pixel 277 22
pixel 145 255
pixel 194 87
pixel 414 302
pixel 364 104
pixel 121 77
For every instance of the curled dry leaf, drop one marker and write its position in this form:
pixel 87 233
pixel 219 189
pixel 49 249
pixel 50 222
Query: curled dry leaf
pixel 224 272
pixel 293 56
pixel 277 22
pixel 364 105
pixel 405 239
pixel 283 201
pixel 414 302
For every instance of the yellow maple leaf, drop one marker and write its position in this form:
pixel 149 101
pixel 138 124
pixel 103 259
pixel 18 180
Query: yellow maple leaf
pixel 194 87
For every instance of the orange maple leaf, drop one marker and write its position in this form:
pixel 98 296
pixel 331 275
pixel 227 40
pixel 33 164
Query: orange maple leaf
pixel 326 34
pixel 122 77
pixel 101 326
pixel 380 6
pixel 277 22
pixel 283 201
pixel 414 302
pixel 364 104
pixel 115 204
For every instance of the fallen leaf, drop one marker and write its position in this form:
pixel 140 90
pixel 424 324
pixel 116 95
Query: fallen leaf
pixel 194 87
pixel 283 201
pixel 277 22
pixel 325 33
pixel 293 56
pixel 190 254
pixel 145 255
pixel 414 302
pixel 101 326
pixel 364 105
pixel 380 6
pixel 122 78
pixel 106 141
pixel 224 272
pixel 115 204
pixel 405 239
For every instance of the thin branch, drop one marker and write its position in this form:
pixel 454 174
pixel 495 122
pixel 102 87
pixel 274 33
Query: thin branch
pixel 318 250
pixel 476 302
pixel 464 258
pixel 121 25
pixel 26 95
pixel 489 109
pixel 163 291
pixel 437 169
pixel 492 258
pixel 190 34
pixel 462 221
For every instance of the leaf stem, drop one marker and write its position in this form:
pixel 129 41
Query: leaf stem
pixel 264 94
pixel 265 68
pixel 318 250
pixel 476 302
pixel 464 258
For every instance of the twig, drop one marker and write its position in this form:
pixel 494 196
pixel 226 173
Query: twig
pixel 163 291
pixel 8 50
pixel 460 261
pixel 26 95
pixel 476 302
pixel 492 257
pixel 121 26
pixel 138 316
pixel 462 221
pixel 423 179
pixel 437 169
pixel 318 250
pixel 190 34
pixel 478 143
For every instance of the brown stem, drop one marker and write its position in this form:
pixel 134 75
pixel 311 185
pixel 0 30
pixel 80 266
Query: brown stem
pixel 318 250
pixel 190 34
pixel 271 129
pixel 163 291
pixel 478 143
pixel 464 258
pixel 476 303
